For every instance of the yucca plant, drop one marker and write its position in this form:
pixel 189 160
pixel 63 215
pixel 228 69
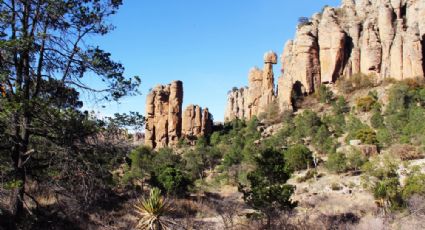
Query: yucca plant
pixel 152 211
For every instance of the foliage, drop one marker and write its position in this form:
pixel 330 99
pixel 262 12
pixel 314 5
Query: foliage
pixel 365 104
pixel 340 106
pixel 382 179
pixel 337 162
pixel 358 81
pixel 377 120
pixel 302 21
pixel 404 114
pixel 306 124
pixel 269 192
pixel 46 59
pixel 152 212
pixel 323 140
pixel 354 126
pixel 414 184
pixel 298 157
pixel 367 136
pixel 174 181
pixel 140 158
pixel 311 173
pixel 324 94
pixel 355 160
pixel 272 114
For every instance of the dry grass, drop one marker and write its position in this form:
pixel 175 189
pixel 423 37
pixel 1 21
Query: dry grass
pixel 406 152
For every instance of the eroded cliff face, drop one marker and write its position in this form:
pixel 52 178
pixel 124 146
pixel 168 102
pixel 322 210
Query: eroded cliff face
pixel 384 38
pixel 244 103
pixel 165 123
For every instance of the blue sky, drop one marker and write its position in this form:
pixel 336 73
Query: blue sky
pixel 208 44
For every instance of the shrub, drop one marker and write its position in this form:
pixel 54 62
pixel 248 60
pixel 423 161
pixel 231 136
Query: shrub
pixel 357 81
pixel 174 181
pixel 298 157
pixel 309 175
pixel 140 164
pixel 336 187
pixel 340 106
pixel 381 178
pixel 323 140
pixel 355 160
pixel 337 162
pixel 365 104
pixel 367 136
pixel 377 120
pixel 353 125
pixel 406 152
pixel 324 94
pixel 272 114
pixel 269 192
pixel 414 184
pixel 306 124
pixel 152 211
pixel 303 21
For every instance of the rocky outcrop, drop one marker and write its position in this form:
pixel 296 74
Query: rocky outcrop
pixel 381 38
pixel 164 122
pixel 244 103
pixel 332 46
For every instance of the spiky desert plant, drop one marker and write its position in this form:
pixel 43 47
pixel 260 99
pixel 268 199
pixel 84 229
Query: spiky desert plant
pixel 152 211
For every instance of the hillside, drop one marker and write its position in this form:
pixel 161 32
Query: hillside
pixel 336 142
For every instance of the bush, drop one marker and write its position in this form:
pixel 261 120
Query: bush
pixel 174 181
pixel 336 187
pixel 323 140
pixel 340 106
pixel 140 164
pixel 367 136
pixel 357 81
pixel 309 175
pixel 414 184
pixel 298 157
pixel 353 125
pixel 306 124
pixel 324 94
pixel 406 152
pixel 377 120
pixel 365 104
pixel 337 162
pixel 355 160
pixel 272 114
pixel 381 178
pixel 269 193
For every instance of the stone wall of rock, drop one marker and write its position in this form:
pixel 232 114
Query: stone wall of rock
pixel 384 38
pixel 165 123
pixel 197 122
pixel 244 103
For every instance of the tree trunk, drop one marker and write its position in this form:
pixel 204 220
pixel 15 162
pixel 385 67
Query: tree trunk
pixel 17 196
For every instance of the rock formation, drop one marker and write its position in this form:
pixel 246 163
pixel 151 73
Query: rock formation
pixel 383 38
pixel 244 103
pixel 196 122
pixel 164 122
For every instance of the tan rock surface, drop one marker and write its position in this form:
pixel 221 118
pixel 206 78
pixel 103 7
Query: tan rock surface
pixel 384 38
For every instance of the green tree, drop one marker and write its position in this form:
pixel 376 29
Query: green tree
pixel 324 94
pixel 340 106
pixel 298 157
pixel 381 177
pixel 174 181
pixel 268 192
pixel 306 124
pixel 45 58
pixel 337 162
pixel 141 159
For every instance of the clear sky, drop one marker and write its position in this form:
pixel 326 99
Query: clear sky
pixel 210 45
